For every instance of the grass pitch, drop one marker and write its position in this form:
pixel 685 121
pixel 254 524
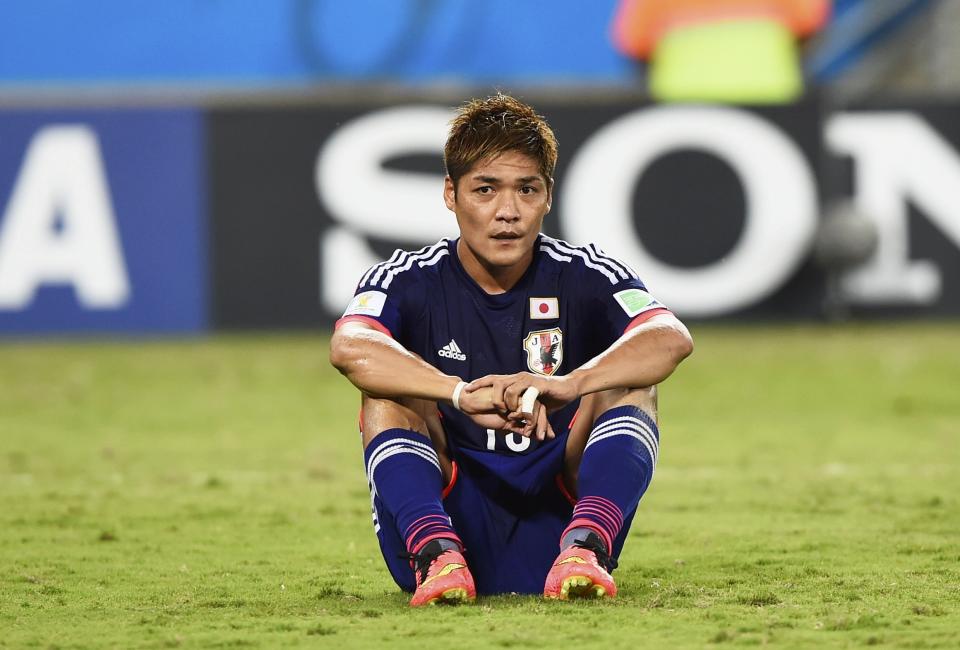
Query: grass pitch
pixel 210 493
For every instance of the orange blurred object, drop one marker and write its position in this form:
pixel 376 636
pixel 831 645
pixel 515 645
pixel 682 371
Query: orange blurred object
pixel 640 24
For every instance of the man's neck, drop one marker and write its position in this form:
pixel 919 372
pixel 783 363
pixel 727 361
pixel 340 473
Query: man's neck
pixel 493 280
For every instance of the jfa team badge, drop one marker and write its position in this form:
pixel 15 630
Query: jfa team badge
pixel 544 350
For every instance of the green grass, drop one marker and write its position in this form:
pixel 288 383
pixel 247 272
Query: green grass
pixel 210 494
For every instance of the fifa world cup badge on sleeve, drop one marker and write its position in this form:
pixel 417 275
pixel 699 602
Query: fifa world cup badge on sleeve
pixel 544 350
pixel 635 301
pixel 368 303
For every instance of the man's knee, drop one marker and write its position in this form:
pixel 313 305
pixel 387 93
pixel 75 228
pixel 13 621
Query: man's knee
pixel 643 398
pixel 378 415
pixel 417 415
pixel 593 406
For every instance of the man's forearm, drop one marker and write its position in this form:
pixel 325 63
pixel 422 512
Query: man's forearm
pixel 381 367
pixel 643 357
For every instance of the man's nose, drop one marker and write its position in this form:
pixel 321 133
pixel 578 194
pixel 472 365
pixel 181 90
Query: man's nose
pixel 507 209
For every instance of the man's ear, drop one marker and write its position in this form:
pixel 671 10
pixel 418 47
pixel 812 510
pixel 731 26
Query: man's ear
pixel 449 193
pixel 549 195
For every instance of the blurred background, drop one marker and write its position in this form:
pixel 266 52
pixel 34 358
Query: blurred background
pixel 187 166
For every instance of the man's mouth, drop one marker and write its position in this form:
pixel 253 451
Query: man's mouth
pixel 507 235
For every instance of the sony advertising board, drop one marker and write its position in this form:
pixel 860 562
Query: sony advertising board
pixel 102 226
pixel 718 208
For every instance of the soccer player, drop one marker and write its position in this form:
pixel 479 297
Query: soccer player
pixel 471 489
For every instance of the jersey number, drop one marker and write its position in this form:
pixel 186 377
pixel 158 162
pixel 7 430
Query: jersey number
pixel 515 442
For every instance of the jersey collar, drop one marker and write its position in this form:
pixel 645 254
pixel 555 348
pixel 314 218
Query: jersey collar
pixel 517 291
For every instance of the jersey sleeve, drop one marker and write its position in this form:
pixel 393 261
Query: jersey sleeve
pixel 628 304
pixel 380 300
pixel 619 298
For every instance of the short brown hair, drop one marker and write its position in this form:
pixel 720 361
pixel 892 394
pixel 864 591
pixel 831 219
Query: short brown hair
pixel 484 128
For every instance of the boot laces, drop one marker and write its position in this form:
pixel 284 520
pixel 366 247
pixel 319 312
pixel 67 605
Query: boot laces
pixel 595 544
pixel 421 561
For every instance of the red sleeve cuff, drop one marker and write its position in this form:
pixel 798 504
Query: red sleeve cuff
pixel 375 324
pixel 645 316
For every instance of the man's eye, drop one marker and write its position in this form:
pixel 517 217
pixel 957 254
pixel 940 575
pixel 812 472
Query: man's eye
pixel 484 189
pixel 528 189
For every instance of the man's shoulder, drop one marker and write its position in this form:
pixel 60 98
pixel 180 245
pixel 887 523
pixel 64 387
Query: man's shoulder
pixel 406 267
pixel 587 262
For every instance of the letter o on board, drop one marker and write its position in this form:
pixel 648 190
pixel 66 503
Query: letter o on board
pixel 779 187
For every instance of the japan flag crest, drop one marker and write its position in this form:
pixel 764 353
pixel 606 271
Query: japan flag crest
pixel 544 350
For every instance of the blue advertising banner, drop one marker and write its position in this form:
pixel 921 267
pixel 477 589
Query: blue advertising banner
pixel 295 42
pixel 102 221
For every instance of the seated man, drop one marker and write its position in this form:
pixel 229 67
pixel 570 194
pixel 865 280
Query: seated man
pixel 474 484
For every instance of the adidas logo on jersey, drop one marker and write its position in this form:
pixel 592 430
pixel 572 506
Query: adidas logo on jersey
pixel 452 351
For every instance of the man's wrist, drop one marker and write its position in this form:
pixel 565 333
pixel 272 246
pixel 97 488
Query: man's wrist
pixel 457 391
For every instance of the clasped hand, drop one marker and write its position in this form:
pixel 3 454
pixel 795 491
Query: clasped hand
pixel 493 402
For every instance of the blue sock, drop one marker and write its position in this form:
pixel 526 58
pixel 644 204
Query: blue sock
pixel 403 470
pixel 615 471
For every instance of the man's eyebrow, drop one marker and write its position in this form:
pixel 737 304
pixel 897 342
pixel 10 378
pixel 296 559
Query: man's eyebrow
pixel 493 179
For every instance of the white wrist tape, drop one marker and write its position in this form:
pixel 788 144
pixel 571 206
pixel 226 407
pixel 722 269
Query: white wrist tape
pixel 456 394
pixel 529 397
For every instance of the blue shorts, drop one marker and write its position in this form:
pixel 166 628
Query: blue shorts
pixel 509 517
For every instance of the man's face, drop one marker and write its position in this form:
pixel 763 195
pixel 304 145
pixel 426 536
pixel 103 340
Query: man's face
pixel 500 205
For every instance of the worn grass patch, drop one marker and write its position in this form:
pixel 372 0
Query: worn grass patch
pixel 209 493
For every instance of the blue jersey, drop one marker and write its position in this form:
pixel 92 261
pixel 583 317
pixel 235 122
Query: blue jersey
pixel 570 305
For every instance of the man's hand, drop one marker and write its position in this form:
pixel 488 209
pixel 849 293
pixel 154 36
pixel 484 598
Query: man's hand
pixel 478 405
pixel 555 392
pixel 505 391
